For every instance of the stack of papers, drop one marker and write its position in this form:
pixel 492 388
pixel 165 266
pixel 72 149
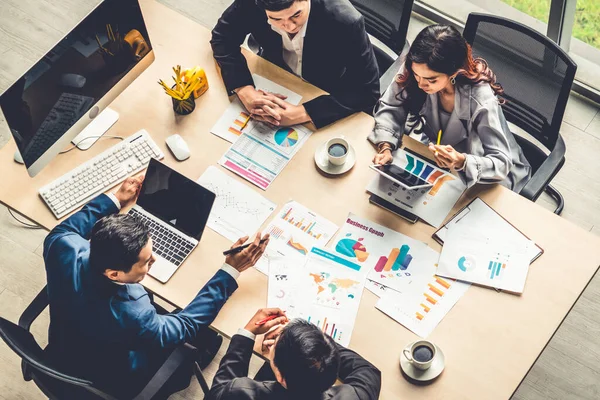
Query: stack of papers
pixel 472 255
pixel 260 151
pixel 325 290
pixel 402 272
pixel 482 247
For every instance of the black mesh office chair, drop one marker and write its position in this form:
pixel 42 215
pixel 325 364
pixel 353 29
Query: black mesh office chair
pixel 386 20
pixel 537 76
pixel 57 385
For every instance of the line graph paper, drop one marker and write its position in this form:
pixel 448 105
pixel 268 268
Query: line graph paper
pixel 238 209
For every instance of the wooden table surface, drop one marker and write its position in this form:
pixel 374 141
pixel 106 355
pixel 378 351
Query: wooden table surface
pixel 490 339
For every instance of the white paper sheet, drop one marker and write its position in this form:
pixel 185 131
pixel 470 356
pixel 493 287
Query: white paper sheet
pixel 432 204
pixel 228 126
pixel 393 259
pixel 376 288
pixel 294 231
pixel 482 217
pixel 260 153
pixel 238 210
pixel 422 309
pixel 326 291
pixel 472 256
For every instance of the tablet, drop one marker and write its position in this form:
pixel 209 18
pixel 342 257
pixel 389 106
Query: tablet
pixel 400 176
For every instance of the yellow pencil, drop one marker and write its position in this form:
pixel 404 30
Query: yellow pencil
pixel 439 137
pixel 245 123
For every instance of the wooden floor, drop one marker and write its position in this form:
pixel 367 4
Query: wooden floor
pixel 569 368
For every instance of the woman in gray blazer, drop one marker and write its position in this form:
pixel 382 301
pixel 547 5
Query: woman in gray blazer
pixel 442 90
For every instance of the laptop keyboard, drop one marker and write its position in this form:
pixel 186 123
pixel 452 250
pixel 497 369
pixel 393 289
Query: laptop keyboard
pixel 166 243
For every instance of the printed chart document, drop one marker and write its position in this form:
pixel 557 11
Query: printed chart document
pixel 423 308
pixel 238 210
pixel 470 255
pixel 393 259
pixel 326 291
pixel 376 288
pixel 262 152
pixel 229 125
pixel 294 231
pixel 431 204
pixel 478 215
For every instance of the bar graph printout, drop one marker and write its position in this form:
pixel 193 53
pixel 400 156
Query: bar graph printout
pixel 229 125
pixel 393 259
pixel 471 255
pixel 326 291
pixel 294 231
pixel 423 307
pixel 432 204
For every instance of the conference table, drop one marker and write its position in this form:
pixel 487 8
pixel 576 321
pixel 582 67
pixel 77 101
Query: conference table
pixel 490 339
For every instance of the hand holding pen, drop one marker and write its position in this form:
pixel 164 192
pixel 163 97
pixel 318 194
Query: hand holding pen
pixel 241 257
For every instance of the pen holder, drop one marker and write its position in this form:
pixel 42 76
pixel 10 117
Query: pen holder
pixel 184 107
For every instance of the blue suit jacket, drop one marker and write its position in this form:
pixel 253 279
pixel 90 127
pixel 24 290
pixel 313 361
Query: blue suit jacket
pixel 106 332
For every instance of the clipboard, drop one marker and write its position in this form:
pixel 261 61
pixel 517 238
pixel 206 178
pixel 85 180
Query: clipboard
pixel 456 218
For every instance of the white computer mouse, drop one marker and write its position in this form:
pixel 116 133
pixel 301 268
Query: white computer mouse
pixel 178 147
pixel 18 158
pixel 72 80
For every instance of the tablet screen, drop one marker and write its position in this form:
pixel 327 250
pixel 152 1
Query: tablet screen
pixel 401 175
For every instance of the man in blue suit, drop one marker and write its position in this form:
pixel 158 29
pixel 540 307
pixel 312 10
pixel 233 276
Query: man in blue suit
pixel 103 325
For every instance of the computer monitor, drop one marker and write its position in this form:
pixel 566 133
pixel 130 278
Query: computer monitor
pixel 73 83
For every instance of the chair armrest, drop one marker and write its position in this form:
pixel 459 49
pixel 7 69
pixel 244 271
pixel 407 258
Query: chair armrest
pixel 164 373
pixel 34 309
pixel 389 75
pixel 549 168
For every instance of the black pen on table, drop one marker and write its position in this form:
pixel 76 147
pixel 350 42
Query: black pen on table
pixel 236 250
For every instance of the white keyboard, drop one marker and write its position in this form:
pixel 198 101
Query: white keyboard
pixel 106 170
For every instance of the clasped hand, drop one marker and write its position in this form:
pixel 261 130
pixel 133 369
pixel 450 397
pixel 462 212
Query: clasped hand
pixel 271 107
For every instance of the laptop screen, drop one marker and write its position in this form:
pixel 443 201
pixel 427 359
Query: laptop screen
pixel 175 199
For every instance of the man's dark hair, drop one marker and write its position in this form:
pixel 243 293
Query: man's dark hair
pixel 116 242
pixel 275 5
pixel 307 359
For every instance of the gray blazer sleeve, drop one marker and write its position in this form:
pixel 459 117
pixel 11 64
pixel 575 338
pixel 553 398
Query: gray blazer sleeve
pixel 492 133
pixel 390 117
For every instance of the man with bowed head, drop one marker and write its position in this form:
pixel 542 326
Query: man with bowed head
pixel 103 324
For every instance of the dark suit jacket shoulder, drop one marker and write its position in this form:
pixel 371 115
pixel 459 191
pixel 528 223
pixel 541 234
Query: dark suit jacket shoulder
pixel 337 55
pixel 107 332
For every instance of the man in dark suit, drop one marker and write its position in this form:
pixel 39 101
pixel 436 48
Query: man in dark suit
pixel 304 365
pixel 103 325
pixel 322 41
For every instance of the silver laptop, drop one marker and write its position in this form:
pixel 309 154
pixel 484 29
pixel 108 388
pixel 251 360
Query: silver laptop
pixel 176 210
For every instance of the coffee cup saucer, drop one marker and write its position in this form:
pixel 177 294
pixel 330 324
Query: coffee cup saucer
pixel 437 366
pixel 322 161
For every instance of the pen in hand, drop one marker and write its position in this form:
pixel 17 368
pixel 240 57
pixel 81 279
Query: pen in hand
pixel 236 250
pixel 245 122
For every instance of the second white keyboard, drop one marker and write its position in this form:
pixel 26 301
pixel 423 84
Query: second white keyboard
pixel 106 170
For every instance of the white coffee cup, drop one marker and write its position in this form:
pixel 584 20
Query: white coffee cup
pixel 420 354
pixel 337 150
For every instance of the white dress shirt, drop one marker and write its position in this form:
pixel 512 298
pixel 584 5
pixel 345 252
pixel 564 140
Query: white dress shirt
pixel 292 48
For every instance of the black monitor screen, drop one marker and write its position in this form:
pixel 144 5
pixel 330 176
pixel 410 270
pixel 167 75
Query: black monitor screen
pixel 66 83
pixel 175 199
